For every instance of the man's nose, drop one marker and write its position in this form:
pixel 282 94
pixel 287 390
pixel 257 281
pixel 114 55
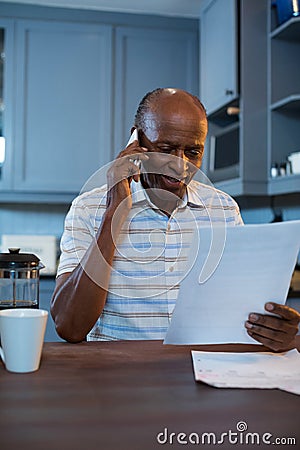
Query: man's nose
pixel 179 162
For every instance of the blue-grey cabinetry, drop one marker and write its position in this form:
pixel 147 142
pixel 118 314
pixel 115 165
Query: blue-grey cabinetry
pixel 218 56
pixel 74 89
pixel 63 94
pixel 148 58
pixel 236 149
pixel 248 153
pixel 283 103
pixel 6 101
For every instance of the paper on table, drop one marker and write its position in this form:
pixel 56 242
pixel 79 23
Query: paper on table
pixel 249 370
pixel 256 266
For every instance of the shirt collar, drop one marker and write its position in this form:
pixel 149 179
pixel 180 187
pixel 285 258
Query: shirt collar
pixel 191 196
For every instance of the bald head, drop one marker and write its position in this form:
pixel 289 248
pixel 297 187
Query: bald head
pixel 176 99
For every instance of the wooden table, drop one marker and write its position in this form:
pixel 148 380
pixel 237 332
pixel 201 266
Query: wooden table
pixel 121 395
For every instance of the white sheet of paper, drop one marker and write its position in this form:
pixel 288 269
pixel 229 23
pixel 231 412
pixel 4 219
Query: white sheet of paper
pixel 255 267
pixel 249 370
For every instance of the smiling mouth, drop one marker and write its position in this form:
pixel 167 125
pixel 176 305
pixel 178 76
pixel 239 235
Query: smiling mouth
pixel 172 180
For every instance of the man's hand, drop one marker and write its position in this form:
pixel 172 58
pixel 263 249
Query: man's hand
pixel 276 332
pixel 120 174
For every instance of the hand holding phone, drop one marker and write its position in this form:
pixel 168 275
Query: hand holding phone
pixel 124 169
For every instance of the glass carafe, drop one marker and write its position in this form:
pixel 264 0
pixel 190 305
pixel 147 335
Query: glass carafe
pixel 19 279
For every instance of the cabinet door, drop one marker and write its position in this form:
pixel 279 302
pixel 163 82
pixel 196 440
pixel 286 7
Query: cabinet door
pixel 218 54
pixel 6 102
pixel 147 59
pixel 63 104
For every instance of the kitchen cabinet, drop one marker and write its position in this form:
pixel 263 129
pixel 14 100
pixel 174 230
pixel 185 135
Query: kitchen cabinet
pixel 63 92
pixel 236 147
pixel 218 53
pixel 75 82
pixel 283 101
pixel 147 59
pixel 242 148
pixel 6 101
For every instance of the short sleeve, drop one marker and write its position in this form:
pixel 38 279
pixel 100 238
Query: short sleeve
pixel 81 225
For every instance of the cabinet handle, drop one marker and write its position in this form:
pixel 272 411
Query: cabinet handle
pixel 233 110
pixel 228 91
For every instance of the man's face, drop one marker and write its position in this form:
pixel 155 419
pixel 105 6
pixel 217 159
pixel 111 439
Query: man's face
pixel 174 135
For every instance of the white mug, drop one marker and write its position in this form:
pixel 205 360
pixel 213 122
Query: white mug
pixel 22 333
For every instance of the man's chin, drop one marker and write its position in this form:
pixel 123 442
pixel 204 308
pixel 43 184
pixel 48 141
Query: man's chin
pixel 166 187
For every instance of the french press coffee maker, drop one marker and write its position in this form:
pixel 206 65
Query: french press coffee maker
pixel 19 279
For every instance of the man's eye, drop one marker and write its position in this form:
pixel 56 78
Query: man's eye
pixel 193 152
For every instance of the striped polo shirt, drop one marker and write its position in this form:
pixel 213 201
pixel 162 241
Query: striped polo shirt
pixel 151 255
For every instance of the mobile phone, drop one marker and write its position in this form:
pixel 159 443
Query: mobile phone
pixel 134 137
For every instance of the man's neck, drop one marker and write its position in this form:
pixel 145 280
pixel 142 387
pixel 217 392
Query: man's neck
pixel 165 205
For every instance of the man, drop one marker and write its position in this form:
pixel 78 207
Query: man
pixel 125 244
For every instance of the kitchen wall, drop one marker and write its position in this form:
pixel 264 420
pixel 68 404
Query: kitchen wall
pixel 32 219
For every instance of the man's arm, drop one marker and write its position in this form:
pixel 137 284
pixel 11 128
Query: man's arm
pixel 80 296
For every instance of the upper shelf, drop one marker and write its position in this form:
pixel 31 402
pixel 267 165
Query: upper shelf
pixel 284 185
pixel 289 30
pixel 290 103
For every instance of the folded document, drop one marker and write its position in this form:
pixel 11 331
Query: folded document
pixel 262 370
